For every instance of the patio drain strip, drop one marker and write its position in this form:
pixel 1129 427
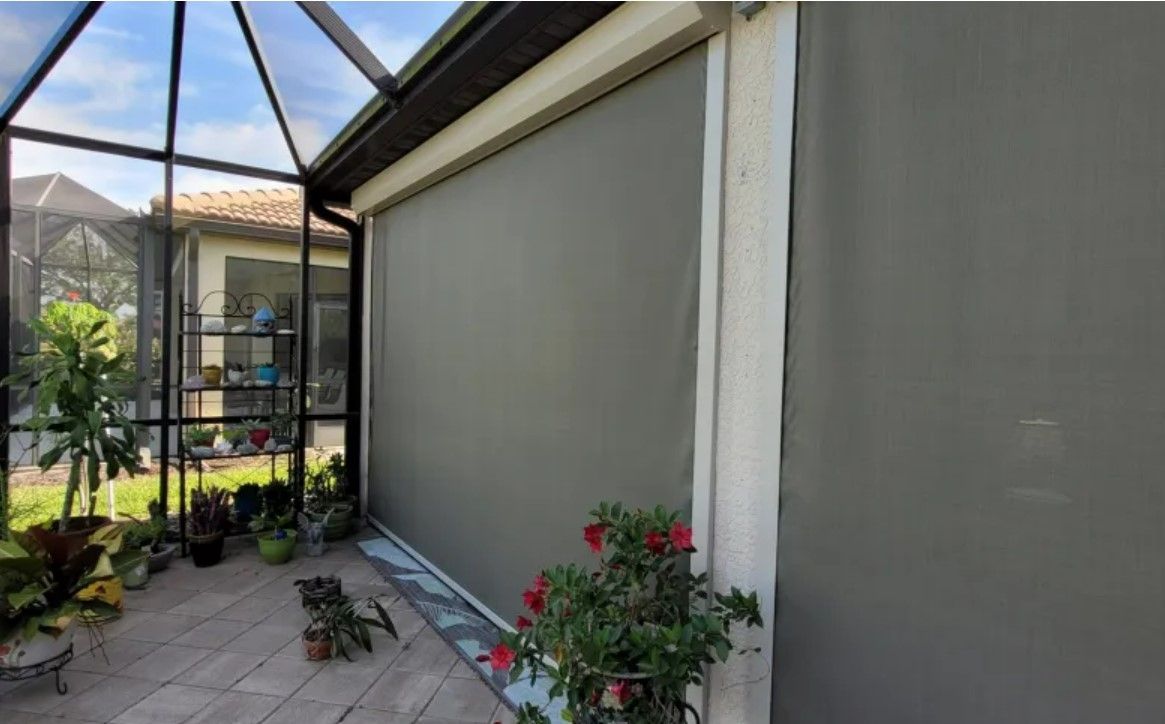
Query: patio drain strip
pixel 466 631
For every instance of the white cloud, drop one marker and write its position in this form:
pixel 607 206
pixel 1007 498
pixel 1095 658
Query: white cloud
pixel 392 48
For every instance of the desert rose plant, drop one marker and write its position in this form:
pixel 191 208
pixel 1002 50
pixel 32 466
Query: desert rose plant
pixel 622 643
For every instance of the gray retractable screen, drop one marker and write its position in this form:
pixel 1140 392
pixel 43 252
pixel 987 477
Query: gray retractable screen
pixel 973 496
pixel 534 322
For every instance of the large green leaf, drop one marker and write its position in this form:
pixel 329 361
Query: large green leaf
pixel 30 593
pixel 11 549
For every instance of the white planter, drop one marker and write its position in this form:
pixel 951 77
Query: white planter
pixel 40 648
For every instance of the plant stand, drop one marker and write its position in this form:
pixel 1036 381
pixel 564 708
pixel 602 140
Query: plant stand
pixel 236 401
pixel 51 666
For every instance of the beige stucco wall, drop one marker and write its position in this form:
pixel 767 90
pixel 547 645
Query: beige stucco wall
pixel 738 692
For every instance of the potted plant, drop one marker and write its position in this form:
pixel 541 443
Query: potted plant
pixel 236 373
pixel 212 375
pixel 277 502
pixel 283 428
pixel 200 436
pixel 258 432
pixel 209 516
pixel 248 502
pixel 267 373
pixel 277 547
pixel 623 643
pixel 341 622
pixel 235 434
pixel 152 539
pixel 79 412
pixel 327 494
pixel 40 600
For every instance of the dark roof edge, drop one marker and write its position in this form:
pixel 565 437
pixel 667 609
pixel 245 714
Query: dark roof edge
pixel 483 53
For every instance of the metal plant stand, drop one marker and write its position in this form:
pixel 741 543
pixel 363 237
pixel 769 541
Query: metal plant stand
pixel 53 666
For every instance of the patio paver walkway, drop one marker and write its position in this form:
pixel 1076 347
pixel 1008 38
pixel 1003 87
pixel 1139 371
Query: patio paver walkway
pixel 221 644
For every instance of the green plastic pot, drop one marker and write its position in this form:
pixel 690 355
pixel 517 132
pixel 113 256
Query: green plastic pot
pixel 277 551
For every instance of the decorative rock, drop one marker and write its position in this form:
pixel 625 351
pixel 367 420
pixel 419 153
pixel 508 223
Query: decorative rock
pixel 213 326
pixel 201 452
pixel 247 449
pixel 284 448
pixel 224 448
pixel 269 446
pixel 239 328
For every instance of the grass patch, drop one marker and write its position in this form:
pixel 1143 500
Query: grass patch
pixel 30 503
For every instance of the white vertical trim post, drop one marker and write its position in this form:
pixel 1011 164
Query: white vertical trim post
pixel 366 362
pixel 708 325
pixel 760 705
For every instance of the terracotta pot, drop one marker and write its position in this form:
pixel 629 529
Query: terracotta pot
pixel 318 650
pixel 259 437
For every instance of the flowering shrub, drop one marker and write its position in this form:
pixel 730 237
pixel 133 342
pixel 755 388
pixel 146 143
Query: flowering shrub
pixel 622 643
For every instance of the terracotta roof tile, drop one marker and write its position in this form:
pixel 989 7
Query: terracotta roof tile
pixel 271 208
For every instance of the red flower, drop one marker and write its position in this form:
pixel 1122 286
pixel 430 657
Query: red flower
pixel 655 542
pixel 593 535
pixel 523 623
pixel 541 585
pixel 501 657
pixel 621 690
pixel 681 537
pixel 73 296
pixel 534 600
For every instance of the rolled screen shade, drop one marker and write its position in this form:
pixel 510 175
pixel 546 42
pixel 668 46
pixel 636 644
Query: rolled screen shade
pixel 534 334
pixel 973 513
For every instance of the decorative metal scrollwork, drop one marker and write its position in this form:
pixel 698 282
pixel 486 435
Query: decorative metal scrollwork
pixel 240 306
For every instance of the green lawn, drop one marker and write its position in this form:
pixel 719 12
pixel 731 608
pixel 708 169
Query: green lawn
pixel 30 504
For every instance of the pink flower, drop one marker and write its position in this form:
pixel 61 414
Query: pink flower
pixel 523 623
pixel 593 535
pixel 655 542
pixel 681 537
pixel 541 584
pixel 621 690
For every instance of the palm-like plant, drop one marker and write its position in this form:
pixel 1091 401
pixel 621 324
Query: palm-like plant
pixel 344 620
pixel 79 405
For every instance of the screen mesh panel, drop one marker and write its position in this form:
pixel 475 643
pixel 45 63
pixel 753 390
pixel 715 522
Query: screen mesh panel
pixel 534 337
pixel 973 509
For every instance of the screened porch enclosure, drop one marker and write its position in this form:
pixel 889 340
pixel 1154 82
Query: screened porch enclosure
pixel 111 111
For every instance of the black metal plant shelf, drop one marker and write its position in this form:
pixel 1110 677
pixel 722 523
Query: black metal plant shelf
pixel 51 666
pixel 194 333
pixel 262 406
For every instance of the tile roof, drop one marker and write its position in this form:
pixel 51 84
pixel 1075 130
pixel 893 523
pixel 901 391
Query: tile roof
pixel 269 208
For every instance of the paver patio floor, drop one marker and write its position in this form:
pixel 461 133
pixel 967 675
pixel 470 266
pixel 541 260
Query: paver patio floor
pixel 221 644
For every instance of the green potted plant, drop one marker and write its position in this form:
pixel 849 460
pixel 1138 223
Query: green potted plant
pixel 248 503
pixel 200 436
pixel 208 519
pixel 327 496
pixel 79 412
pixel 277 502
pixel 283 428
pixel 149 536
pixel 623 643
pixel 235 434
pixel 258 431
pixel 41 601
pixel 339 623
pixel 277 546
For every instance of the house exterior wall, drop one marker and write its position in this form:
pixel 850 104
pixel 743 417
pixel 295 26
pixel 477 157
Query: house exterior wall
pixel 213 250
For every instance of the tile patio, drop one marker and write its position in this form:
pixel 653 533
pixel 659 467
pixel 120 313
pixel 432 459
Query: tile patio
pixel 221 644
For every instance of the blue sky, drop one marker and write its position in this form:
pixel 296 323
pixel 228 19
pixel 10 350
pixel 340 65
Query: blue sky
pixel 112 85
